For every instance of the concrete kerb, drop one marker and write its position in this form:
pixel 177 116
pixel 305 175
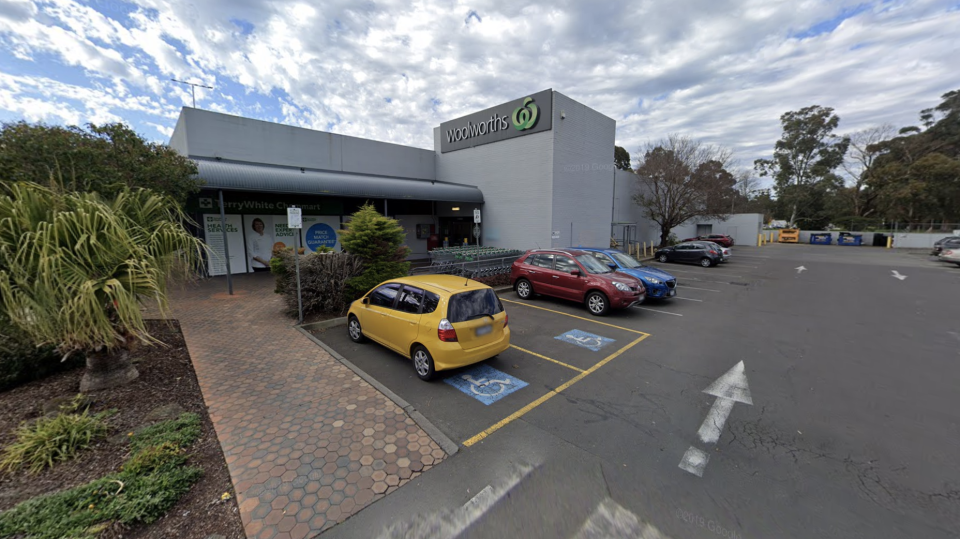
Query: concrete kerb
pixel 449 446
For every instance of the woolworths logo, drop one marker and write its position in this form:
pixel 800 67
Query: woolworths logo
pixel 526 115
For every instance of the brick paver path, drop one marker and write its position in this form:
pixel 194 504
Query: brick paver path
pixel 308 442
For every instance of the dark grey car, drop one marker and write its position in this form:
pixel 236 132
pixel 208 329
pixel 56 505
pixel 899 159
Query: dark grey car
pixel 938 245
pixel 693 252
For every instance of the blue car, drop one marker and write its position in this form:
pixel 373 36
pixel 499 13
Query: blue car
pixel 659 284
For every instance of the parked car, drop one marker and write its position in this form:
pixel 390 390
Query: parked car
pixel 938 245
pixel 658 283
pixel 725 252
pixel 575 275
pixel 722 239
pixel 695 252
pixel 439 321
pixel 951 253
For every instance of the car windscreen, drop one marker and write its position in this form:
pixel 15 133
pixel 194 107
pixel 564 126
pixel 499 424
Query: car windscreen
pixel 592 265
pixel 626 260
pixel 473 304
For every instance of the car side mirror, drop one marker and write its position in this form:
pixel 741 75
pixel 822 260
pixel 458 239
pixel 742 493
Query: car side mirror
pixel 612 265
pixel 575 273
pixel 365 301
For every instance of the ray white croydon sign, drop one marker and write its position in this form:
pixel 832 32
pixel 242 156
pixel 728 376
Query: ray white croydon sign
pixel 529 114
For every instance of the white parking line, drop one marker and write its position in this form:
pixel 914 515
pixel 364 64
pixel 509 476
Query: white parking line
pixel 695 288
pixel 656 311
pixel 687 299
pixel 713 273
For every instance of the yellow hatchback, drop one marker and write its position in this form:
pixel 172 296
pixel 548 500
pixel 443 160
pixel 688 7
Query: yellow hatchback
pixel 440 321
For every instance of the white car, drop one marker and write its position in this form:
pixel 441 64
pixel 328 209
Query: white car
pixel 951 255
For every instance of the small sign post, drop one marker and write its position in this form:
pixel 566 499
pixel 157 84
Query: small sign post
pixel 476 216
pixel 476 234
pixel 295 221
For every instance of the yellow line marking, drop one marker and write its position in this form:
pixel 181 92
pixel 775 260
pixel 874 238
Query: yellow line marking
pixel 547 358
pixel 519 413
pixel 574 316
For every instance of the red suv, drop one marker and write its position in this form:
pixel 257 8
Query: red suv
pixel 719 239
pixel 574 275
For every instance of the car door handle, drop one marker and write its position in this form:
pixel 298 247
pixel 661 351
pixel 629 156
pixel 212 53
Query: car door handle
pixel 531 272
pixel 556 276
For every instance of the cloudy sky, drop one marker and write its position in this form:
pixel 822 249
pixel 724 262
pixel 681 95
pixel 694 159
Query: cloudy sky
pixel 716 70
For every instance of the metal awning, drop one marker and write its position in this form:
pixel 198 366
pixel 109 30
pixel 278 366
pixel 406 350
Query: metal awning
pixel 237 176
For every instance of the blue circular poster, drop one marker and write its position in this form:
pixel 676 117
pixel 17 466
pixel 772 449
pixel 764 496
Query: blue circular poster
pixel 321 234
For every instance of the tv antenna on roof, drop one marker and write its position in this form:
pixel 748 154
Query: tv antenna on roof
pixel 193 89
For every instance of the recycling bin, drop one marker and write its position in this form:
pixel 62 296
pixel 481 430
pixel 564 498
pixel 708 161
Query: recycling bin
pixel 850 239
pixel 821 239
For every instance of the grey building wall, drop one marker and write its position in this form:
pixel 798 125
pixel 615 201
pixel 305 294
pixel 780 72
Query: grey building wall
pixel 627 211
pixel 583 174
pixel 742 227
pixel 516 177
pixel 202 133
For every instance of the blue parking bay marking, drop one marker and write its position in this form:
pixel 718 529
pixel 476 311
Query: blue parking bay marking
pixel 486 384
pixel 584 339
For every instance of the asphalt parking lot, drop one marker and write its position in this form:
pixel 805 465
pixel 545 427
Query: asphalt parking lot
pixel 849 429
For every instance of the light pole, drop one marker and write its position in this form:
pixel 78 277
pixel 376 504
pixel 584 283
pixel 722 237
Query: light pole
pixel 193 87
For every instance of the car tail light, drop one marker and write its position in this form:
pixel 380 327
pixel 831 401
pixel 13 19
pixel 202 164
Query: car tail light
pixel 712 252
pixel 948 253
pixel 506 318
pixel 445 331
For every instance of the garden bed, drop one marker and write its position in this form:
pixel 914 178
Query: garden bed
pixel 166 380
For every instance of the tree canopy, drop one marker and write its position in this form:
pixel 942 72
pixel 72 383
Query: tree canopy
pixel 98 158
pixel 679 178
pixel 621 158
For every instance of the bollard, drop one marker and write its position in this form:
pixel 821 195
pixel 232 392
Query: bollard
pixel 759 240
pixel 644 248
pixel 889 242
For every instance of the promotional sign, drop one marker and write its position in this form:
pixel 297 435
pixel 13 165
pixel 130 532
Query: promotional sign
pixel 283 233
pixel 214 239
pixel 258 231
pixel 263 203
pixel 321 231
pixel 524 116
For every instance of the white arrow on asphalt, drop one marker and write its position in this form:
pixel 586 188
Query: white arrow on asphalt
pixel 730 388
pixel 800 269
pixel 897 275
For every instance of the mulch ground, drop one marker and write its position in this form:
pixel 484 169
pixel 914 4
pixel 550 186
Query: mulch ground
pixel 166 377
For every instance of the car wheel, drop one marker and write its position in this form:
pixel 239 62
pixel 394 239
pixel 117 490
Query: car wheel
pixel 423 363
pixel 706 262
pixel 524 289
pixel 663 258
pixel 597 303
pixel 355 331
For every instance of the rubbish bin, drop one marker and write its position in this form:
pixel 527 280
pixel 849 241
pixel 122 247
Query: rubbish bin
pixel 821 239
pixel 879 240
pixel 850 239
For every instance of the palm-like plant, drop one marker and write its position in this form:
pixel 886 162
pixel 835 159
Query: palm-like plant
pixel 75 268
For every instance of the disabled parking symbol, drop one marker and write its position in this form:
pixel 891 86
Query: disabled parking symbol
pixel 486 384
pixel 585 340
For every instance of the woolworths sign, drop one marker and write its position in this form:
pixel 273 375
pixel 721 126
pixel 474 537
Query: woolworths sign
pixel 529 114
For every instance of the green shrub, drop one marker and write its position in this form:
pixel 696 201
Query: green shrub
pixel 181 432
pixel 53 439
pixel 323 281
pixel 22 362
pixel 378 241
pixel 150 483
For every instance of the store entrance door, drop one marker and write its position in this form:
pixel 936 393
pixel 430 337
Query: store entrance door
pixel 456 230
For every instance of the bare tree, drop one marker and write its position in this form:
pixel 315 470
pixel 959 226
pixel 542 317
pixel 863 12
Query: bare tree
pixel 680 178
pixel 858 166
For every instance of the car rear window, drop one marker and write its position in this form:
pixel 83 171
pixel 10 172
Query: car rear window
pixel 473 304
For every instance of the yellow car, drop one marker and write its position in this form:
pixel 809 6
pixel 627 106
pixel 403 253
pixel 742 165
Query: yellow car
pixel 440 321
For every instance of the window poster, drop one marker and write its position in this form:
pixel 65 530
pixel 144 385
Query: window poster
pixel 214 237
pixel 258 231
pixel 321 231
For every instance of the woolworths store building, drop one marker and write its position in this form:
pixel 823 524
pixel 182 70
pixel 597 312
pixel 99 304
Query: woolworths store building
pixel 539 167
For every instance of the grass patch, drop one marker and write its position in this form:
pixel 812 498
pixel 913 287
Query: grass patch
pixel 54 439
pixel 149 483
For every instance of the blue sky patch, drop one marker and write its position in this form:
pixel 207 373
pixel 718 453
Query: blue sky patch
pixel 484 383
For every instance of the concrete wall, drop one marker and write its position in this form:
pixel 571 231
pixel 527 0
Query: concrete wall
pixel 583 174
pixel 516 179
pixel 409 223
pixel 203 133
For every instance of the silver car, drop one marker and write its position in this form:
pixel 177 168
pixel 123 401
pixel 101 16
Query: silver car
pixel 950 254
pixel 725 252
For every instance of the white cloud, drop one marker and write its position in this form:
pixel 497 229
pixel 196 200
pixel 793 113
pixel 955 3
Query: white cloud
pixel 721 70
